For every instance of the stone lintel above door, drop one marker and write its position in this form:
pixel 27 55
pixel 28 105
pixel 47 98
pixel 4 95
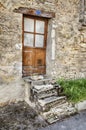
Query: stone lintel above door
pixel 34 12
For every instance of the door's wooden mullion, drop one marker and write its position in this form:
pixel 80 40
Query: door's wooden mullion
pixel 39 34
pixel 46 30
pixel 34 33
pixel 29 32
pixel 34 42
pixel 34 30
pixel 22 42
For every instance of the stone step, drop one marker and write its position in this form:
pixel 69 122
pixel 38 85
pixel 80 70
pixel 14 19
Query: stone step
pixel 44 91
pixel 37 79
pixel 41 81
pixel 47 103
pixel 45 87
pixel 42 88
pixel 46 94
pixel 58 112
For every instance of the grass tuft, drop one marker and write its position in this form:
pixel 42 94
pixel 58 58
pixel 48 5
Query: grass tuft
pixel 75 90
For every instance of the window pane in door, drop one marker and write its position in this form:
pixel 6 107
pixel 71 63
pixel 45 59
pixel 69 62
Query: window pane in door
pixel 39 40
pixel 28 25
pixel 28 39
pixel 39 26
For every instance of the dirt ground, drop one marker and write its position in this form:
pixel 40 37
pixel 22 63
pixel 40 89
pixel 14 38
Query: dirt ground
pixel 20 116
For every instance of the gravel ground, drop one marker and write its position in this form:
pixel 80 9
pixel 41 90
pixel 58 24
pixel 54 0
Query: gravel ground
pixel 20 116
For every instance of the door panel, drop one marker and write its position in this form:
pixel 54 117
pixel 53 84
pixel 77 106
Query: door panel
pixel 40 58
pixel 28 56
pixel 34 45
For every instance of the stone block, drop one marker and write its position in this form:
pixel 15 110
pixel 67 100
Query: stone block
pixel 47 103
pixel 59 112
pixel 81 106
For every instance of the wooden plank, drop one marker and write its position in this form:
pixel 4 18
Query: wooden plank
pixel 40 57
pixel 34 12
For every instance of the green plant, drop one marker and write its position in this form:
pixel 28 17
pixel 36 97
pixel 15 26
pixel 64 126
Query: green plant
pixel 75 90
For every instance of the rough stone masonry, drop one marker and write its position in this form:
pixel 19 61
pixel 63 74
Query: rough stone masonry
pixel 66 44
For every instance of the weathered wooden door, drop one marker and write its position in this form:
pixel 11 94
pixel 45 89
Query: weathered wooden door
pixel 34 45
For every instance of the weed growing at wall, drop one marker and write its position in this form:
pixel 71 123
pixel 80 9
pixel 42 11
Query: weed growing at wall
pixel 75 90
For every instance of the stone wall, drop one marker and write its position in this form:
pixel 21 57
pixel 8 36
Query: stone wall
pixel 11 87
pixel 70 42
pixel 70 59
pixel 66 42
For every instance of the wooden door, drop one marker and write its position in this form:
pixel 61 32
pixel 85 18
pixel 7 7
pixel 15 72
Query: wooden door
pixel 34 45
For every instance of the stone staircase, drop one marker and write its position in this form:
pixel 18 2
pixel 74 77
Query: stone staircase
pixel 49 104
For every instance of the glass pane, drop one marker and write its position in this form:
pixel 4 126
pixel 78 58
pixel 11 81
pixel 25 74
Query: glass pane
pixel 28 25
pixel 28 39
pixel 39 41
pixel 39 26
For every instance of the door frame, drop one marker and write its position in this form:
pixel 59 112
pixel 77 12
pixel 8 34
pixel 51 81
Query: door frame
pixel 45 35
